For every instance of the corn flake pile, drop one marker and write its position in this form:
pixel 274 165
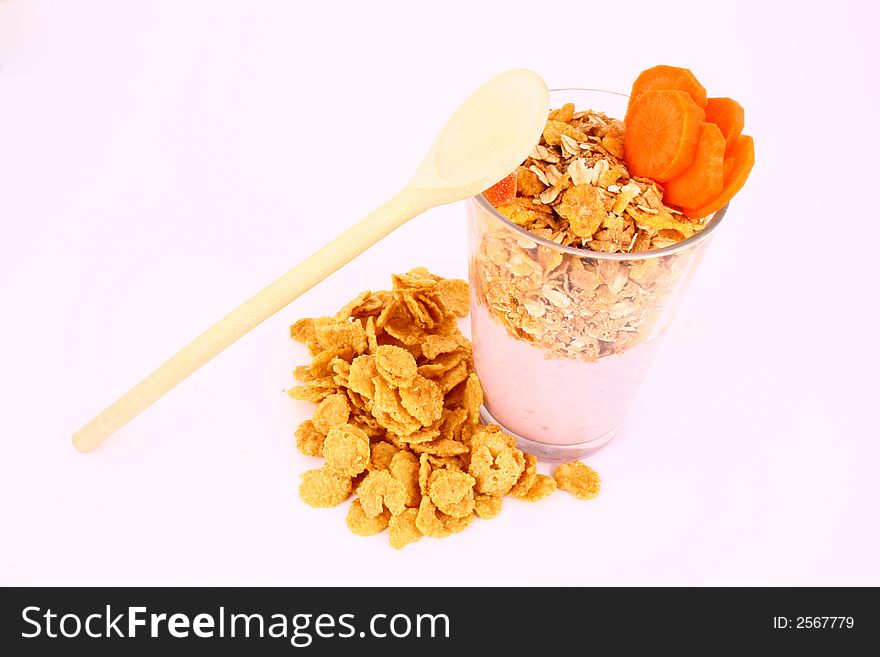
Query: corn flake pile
pixel 575 190
pixel 398 418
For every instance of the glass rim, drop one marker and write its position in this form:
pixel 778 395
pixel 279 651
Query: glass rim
pixel 712 221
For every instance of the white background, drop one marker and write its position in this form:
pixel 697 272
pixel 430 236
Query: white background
pixel 161 161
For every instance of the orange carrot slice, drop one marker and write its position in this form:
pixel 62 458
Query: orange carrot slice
pixel 661 136
pixel 660 78
pixel 502 192
pixel 737 166
pixel 704 179
pixel 728 115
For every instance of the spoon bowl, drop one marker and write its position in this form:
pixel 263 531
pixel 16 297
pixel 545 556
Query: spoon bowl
pixel 488 136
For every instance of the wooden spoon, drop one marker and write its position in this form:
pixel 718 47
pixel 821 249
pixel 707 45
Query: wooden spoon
pixel 489 135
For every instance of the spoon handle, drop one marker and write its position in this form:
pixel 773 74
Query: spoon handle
pixel 265 303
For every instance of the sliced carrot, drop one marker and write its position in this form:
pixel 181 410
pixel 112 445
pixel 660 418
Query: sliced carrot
pixel 704 179
pixel 502 192
pixel 728 115
pixel 662 129
pixel 661 78
pixel 737 165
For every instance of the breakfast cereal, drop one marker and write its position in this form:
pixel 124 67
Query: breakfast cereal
pixel 398 416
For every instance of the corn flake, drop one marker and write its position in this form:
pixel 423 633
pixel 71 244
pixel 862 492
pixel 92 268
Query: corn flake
pixel 309 440
pixel 578 479
pixel 487 506
pixel 347 450
pixel 541 487
pixel 372 337
pixel 432 522
pixel 422 399
pixel 362 374
pixel 434 345
pixel 396 365
pixel 363 525
pixel 390 412
pixel 348 310
pixel 404 467
pixel 303 330
pixel 380 490
pixel 424 435
pixel 454 293
pixel 324 488
pixel 528 183
pixel 381 454
pixel 473 398
pixel 314 391
pixel 527 478
pixel 331 412
pixel 496 463
pixel 564 113
pixel 554 131
pixel 440 447
pixel 452 492
pixel 522 214
pixel 339 336
pixel 453 377
pixel 425 467
pixel 584 207
pixel 402 529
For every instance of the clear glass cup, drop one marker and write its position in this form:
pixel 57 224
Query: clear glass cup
pixel 562 336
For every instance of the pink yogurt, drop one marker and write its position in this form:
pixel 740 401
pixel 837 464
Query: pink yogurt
pixel 554 401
